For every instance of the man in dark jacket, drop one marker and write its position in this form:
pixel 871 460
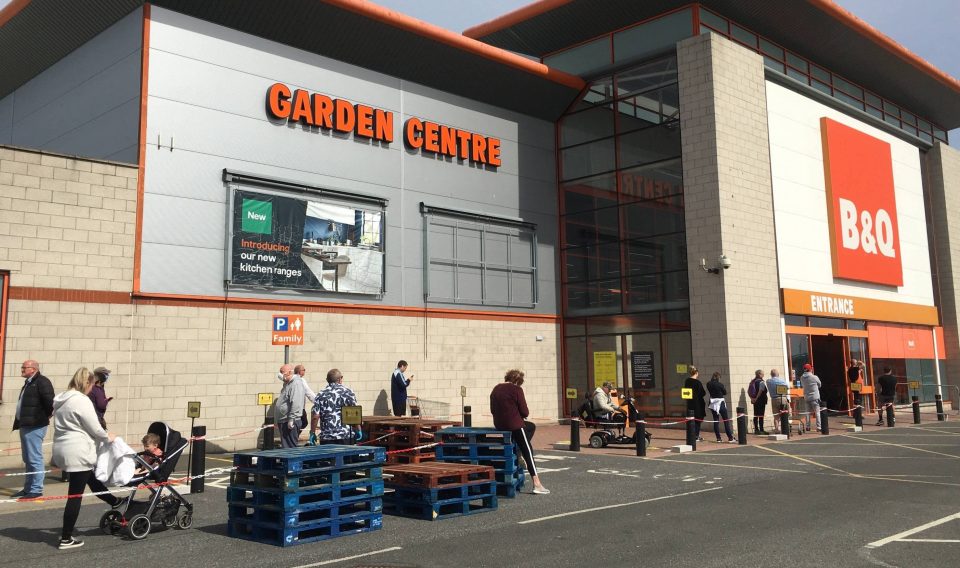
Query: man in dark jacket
pixel 399 382
pixel 34 409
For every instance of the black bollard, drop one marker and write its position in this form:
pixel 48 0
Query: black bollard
pixel 467 417
pixel 268 433
pixel 640 436
pixel 741 426
pixel 574 434
pixel 198 458
pixel 691 431
pixel 785 420
pixel 890 417
pixel 941 415
pixel 824 421
pixel 858 416
pixel 916 409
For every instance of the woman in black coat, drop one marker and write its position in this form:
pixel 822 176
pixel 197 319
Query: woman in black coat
pixel 696 404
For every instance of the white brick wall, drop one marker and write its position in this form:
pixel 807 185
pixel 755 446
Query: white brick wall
pixel 735 316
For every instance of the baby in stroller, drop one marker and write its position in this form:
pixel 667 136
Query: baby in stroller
pixel 162 449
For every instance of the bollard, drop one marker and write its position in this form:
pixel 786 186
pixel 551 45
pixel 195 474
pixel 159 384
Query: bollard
pixel 916 409
pixel 467 417
pixel 890 417
pixel 741 426
pixel 941 415
pixel 574 434
pixel 198 458
pixel 640 437
pixel 268 433
pixel 824 420
pixel 691 431
pixel 858 416
pixel 415 410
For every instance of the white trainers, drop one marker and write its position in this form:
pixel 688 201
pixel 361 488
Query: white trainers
pixel 70 543
pixel 541 490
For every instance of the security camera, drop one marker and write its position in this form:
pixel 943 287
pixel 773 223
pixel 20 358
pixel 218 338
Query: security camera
pixel 725 262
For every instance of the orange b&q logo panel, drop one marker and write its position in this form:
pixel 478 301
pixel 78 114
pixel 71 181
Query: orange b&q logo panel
pixel 862 207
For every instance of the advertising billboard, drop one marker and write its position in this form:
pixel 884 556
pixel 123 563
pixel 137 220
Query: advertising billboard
pixel 304 244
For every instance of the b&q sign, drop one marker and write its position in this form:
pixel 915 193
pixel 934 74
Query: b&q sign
pixel 315 109
pixel 861 205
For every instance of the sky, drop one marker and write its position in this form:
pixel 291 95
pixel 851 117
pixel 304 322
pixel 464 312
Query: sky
pixel 925 27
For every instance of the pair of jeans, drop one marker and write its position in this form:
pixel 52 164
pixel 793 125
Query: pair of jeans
pixel 31 449
pixel 813 406
pixel 726 422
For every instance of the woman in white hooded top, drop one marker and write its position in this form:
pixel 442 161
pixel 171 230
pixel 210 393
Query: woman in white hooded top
pixel 76 432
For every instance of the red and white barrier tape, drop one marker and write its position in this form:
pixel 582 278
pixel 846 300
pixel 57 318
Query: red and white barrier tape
pixel 405 450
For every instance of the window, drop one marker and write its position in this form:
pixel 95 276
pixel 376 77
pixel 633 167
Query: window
pixel 582 59
pixel 477 259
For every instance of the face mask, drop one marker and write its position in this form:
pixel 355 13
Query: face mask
pixel 279 376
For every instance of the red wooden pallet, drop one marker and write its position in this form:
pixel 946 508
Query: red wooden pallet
pixel 437 474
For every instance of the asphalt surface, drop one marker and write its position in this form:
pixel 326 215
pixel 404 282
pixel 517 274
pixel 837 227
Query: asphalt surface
pixel 884 498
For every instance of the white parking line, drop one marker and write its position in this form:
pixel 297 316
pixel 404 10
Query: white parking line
pixel 902 536
pixel 344 559
pixel 537 520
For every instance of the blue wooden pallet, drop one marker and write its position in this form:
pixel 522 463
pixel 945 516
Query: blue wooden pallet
pixel 473 436
pixel 292 536
pixel 305 517
pixel 473 451
pixel 437 511
pixel 499 464
pixel 402 493
pixel 511 488
pixel 294 461
pixel 304 481
pixel 314 497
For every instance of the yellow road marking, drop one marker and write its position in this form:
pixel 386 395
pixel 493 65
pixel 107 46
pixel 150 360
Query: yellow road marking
pixel 219 459
pixel 808 461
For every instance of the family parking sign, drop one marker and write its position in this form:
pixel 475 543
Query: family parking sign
pixel 287 329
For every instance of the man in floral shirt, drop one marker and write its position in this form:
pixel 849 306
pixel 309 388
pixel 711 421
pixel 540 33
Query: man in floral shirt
pixel 327 405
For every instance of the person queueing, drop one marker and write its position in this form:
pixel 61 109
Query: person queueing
pixel 696 404
pixel 757 391
pixel 855 376
pixel 99 396
pixel 76 432
pixel 34 408
pixel 328 409
pixel 780 403
pixel 811 392
pixel 888 392
pixel 718 407
pixel 289 407
pixel 399 382
pixel 508 406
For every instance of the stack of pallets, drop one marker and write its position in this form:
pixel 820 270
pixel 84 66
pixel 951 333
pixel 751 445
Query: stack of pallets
pixel 484 446
pixel 399 433
pixel 433 491
pixel 298 495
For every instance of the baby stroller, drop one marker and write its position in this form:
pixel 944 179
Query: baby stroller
pixel 138 518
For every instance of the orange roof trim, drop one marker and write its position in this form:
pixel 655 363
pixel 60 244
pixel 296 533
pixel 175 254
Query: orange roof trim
pixel 878 37
pixel 436 33
pixel 11 10
pixel 515 17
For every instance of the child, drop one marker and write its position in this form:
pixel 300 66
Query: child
pixel 151 453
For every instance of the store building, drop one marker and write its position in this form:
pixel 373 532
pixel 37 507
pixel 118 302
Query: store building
pixel 173 174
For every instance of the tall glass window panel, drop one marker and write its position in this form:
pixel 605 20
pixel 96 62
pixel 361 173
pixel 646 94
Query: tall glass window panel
pixel 589 298
pixel 587 194
pixel 663 253
pixel 650 145
pixel 578 370
pixel 714 21
pixel 799 353
pixel 658 291
pixel 654 181
pixel 649 401
pixel 649 108
pixel 588 159
pixel 591 227
pixel 593 262
pixel 648 76
pixel 582 59
pixel 652 37
pixel 653 217
pixel 677 357
pixel 587 125
pixel 598 93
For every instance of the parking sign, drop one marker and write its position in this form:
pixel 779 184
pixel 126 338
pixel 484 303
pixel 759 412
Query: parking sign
pixel 287 329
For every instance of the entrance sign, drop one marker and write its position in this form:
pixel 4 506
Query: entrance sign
pixel 288 329
pixel 604 367
pixel 642 371
pixel 803 302
pixel 861 205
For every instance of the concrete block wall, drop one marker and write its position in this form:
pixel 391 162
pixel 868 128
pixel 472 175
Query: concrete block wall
pixel 735 315
pixel 67 237
pixel 943 177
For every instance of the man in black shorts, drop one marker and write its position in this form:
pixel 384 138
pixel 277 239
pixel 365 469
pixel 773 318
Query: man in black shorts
pixel 887 384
